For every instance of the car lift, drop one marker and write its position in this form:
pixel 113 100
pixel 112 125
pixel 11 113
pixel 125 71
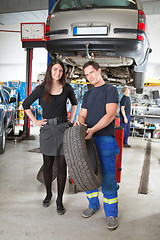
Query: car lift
pixel 29 45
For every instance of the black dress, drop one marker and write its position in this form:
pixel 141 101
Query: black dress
pixel 51 135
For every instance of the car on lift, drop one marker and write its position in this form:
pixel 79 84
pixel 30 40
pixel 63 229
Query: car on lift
pixel 7 115
pixel 111 32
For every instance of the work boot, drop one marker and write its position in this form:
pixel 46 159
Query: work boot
pixel 112 223
pixel 88 212
pixel 127 145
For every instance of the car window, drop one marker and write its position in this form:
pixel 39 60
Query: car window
pixel 6 98
pixel 64 5
pixel 6 93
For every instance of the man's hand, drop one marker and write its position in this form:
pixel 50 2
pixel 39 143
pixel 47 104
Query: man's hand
pixel 125 120
pixel 89 133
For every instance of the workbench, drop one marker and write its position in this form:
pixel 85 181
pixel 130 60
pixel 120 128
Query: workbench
pixel 141 123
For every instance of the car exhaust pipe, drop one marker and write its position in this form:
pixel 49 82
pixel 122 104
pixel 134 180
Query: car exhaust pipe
pixel 87 52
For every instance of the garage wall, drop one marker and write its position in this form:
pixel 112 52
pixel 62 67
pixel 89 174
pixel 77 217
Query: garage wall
pixel 151 7
pixel 13 56
pixel 154 36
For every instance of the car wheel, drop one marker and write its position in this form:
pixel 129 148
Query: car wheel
pixel 40 176
pixel 139 82
pixel 3 140
pixel 13 127
pixel 82 159
pixel 139 90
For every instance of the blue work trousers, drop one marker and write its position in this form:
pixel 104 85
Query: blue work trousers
pixel 107 148
pixel 126 127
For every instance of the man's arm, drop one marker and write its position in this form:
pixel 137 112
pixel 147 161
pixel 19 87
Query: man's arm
pixel 124 114
pixel 72 113
pixel 82 116
pixel 111 110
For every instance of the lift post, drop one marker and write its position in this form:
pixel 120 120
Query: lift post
pixel 32 36
pixel 51 4
pixel 26 126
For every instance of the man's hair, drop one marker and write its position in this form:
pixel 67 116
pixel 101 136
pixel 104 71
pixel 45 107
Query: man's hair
pixel 94 64
pixel 124 89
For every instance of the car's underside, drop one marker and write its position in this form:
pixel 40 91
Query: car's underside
pixel 118 71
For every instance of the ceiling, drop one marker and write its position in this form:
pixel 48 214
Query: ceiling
pixel 20 17
pixel 37 16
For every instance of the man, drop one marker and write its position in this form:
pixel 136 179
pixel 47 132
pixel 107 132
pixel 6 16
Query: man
pixel 125 118
pixel 98 111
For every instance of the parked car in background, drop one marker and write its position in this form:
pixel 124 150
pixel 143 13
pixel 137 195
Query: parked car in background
pixel 111 32
pixel 7 115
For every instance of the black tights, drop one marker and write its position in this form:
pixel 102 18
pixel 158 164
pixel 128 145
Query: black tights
pixel 61 176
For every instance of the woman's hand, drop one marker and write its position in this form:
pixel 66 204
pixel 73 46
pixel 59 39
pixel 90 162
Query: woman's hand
pixel 70 119
pixel 41 123
pixel 38 123
pixel 78 123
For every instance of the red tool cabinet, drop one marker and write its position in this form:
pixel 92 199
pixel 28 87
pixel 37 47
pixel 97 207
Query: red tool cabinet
pixel 119 139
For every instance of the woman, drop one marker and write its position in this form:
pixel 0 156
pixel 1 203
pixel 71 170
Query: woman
pixel 53 94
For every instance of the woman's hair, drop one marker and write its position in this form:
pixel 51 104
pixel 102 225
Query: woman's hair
pixel 94 64
pixel 47 83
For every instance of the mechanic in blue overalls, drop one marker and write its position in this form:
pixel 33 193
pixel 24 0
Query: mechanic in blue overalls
pixel 125 117
pixel 98 111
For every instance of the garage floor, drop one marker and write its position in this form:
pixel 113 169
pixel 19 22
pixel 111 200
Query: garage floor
pixel 22 216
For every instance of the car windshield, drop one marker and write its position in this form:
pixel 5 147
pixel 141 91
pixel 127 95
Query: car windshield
pixel 66 5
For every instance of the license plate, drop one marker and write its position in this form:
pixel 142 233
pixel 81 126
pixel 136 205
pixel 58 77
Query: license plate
pixel 90 31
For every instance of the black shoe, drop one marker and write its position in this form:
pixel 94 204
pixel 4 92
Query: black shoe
pixel 127 145
pixel 60 207
pixel 47 201
pixel 60 210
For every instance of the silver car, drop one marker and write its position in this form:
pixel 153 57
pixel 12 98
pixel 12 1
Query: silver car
pixel 7 115
pixel 111 32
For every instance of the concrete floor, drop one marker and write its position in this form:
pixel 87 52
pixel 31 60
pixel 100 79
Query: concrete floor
pixel 22 216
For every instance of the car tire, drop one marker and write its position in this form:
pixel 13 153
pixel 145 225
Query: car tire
pixel 82 159
pixel 13 127
pixel 139 90
pixel 40 176
pixel 3 140
pixel 139 82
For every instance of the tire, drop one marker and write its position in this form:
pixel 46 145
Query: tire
pixel 40 176
pixel 139 82
pixel 3 140
pixel 82 159
pixel 139 90
pixel 13 127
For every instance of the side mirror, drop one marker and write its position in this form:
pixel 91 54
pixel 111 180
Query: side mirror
pixel 12 100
